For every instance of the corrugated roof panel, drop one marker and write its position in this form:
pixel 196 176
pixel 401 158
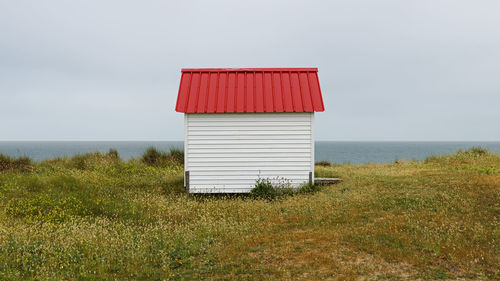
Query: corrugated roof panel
pixel 315 91
pixel 278 97
pixel 268 93
pixel 250 94
pixel 183 92
pixel 287 92
pixel 192 98
pixel 212 93
pixel 218 90
pixel 296 95
pixel 203 98
pixel 231 93
pixel 304 91
pixel 222 93
pixel 240 93
pixel 259 92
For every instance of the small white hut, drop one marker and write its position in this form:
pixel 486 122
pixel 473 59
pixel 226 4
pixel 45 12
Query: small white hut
pixel 245 123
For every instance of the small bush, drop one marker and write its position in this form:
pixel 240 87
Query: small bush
pixel 324 163
pixel 153 157
pixel 23 164
pixel 477 150
pixel 78 161
pixel 177 156
pixel 113 153
pixel 95 160
pixel 264 189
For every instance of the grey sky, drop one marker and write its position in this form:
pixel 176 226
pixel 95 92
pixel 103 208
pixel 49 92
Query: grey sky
pixel 389 70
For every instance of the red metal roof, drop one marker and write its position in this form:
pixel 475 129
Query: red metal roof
pixel 231 90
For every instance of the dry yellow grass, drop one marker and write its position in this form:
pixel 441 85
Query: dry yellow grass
pixel 107 219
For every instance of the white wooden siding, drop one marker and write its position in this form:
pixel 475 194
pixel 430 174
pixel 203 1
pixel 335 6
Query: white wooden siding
pixel 226 153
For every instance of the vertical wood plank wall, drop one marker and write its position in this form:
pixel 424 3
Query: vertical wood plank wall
pixel 226 153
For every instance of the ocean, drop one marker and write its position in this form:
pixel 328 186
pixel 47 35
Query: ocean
pixel 334 151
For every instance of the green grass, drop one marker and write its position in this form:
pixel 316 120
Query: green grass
pixel 96 217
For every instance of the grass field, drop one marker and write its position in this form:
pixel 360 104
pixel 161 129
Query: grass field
pixel 96 217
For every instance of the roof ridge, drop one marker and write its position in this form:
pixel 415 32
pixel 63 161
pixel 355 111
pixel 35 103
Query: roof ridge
pixel 262 69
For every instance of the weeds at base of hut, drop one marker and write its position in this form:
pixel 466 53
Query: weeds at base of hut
pixel 268 189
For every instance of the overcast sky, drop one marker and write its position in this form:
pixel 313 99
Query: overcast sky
pixel 389 70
